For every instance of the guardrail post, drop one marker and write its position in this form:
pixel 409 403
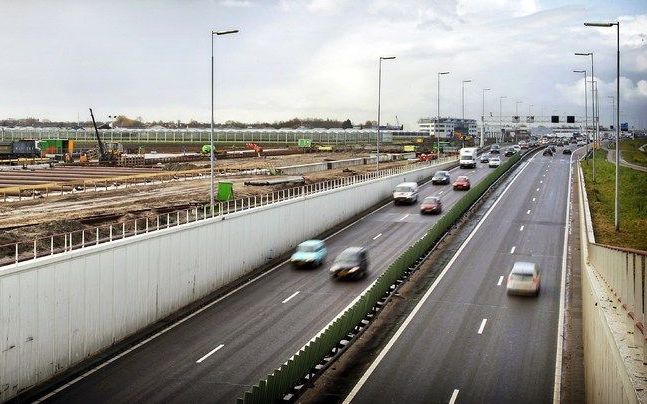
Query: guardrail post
pixel 96 237
pixel 123 231
pixel 168 219
pixel 135 227
pixel 177 218
pixel 146 224
pixel 35 253
pixel 16 253
pixel 51 245
pixel 110 233
pixel 83 238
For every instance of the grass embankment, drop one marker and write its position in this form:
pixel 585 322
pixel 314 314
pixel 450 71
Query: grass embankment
pixel 631 153
pixel 633 203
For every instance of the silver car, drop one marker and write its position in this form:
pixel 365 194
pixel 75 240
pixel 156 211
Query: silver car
pixel 524 279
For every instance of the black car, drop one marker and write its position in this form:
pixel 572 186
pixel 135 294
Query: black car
pixel 351 263
pixel 567 151
pixel 495 148
pixel 548 152
pixel 441 177
pixel 509 152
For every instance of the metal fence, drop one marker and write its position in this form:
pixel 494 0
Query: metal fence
pixel 301 365
pixel 14 253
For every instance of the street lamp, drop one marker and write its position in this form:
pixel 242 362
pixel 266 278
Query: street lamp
pixel 586 118
pixel 379 91
pixel 613 103
pixel 211 152
pixel 483 118
pixel 463 105
pixel 500 119
pixel 593 120
pixel 438 110
pixel 609 25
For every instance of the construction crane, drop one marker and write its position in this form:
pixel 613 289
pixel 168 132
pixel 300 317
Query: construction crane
pixel 105 157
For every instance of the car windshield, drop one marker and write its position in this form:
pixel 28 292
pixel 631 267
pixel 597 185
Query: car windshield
pixel 307 248
pixel 403 189
pixel 347 257
pixel 431 199
pixel 521 277
pixel 441 173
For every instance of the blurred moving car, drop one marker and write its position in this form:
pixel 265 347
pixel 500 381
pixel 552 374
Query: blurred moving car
pixel 524 279
pixel 547 152
pixel 516 148
pixel 567 151
pixel 485 158
pixel 406 192
pixel 351 263
pixel 462 183
pixel 494 162
pixel 309 253
pixel 495 148
pixel 509 152
pixel 441 177
pixel 431 204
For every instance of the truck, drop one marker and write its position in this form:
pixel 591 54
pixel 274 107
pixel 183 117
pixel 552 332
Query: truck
pixel 467 157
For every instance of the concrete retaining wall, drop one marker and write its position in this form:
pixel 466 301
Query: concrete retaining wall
pixel 57 311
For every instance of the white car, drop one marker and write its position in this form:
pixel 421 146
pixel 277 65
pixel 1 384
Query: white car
pixel 524 279
pixel 517 148
pixel 494 161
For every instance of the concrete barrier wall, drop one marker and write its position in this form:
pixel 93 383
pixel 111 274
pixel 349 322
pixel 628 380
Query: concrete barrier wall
pixel 345 163
pixel 57 311
pixel 613 296
pixel 302 169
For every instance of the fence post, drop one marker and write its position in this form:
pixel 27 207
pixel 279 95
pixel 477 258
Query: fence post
pixel 16 253
pixel 110 233
pixel 51 245
pixel 135 227
pixel 83 238
pixel 35 254
pixel 146 224
pixel 177 218
pixel 123 231
pixel 168 219
pixel 96 239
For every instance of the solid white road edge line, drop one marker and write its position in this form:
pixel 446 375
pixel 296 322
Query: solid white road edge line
pixel 482 327
pixel 500 280
pixel 291 296
pixel 378 236
pixel 452 399
pixel 210 353
pixel 422 301
pixel 557 390
pixel 195 313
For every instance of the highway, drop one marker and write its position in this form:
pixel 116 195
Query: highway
pixel 217 353
pixel 467 340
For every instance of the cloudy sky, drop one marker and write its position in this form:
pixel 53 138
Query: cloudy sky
pixel 315 58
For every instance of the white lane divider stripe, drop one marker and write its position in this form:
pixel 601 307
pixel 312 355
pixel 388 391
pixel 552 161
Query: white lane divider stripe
pixel 480 331
pixel 521 228
pixel 514 247
pixel 404 217
pixel 452 399
pixel 500 280
pixel 291 296
pixel 537 189
pixel 216 349
pixel 541 182
pixel 378 236
pixel 528 212
pixel 440 192
pixel 533 199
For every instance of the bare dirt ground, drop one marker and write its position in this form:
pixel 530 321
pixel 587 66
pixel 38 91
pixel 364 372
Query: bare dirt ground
pixel 25 220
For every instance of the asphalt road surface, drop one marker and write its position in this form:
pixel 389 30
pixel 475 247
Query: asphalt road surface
pixel 468 341
pixel 218 353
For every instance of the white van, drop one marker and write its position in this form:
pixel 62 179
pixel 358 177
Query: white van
pixel 467 157
pixel 405 192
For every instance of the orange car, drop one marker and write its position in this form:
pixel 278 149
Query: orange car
pixel 462 183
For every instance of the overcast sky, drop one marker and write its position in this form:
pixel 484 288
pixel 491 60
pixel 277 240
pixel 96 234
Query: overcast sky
pixel 315 58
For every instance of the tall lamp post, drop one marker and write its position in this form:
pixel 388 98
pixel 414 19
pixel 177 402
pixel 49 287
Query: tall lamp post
pixel 593 120
pixel 211 152
pixel 609 25
pixel 613 103
pixel 379 93
pixel 483 118
pixel 438 110
pixel 463 104
pixel 586 114
pixel 500 118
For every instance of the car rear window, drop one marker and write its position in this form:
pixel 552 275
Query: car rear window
pixel 403 189
pixel 308 248
pixel 521 277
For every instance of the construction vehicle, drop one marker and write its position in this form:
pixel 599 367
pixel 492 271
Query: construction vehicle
pixel 106 157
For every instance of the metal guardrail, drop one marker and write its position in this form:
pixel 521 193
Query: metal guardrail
pixel 14 253
pixel 301 365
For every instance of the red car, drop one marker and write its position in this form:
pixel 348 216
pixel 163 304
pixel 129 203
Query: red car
pixel 431 204
pixel 462 183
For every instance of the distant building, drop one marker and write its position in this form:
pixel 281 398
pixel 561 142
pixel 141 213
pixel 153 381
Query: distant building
pixel 445 127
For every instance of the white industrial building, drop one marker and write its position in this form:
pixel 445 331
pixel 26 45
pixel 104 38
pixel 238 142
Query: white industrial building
pixel 445 127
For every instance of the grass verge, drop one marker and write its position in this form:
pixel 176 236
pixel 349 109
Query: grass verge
pixel 633 203
pixel 631 153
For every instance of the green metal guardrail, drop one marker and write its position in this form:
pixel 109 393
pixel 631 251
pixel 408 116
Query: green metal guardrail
pixel 291 373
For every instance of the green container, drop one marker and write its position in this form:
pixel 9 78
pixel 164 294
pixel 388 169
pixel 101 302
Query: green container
pixel 225 191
